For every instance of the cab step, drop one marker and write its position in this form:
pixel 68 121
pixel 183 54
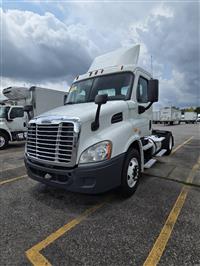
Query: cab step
pixel 161 153
pixel 149 163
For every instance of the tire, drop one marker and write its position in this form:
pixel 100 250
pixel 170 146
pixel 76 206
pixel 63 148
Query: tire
pixel 132 165
pixel 3 141
pixel 168 143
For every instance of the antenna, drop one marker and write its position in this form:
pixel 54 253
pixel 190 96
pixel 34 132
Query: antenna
pixel 152 65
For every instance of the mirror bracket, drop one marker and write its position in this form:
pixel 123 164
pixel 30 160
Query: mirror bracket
pixel 142 109
pixel 95 123
pixel 99 100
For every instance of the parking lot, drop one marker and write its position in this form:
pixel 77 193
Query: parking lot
pixel 160 223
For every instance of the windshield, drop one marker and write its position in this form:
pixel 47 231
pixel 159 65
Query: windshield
pixel 116 86
pixel 4 111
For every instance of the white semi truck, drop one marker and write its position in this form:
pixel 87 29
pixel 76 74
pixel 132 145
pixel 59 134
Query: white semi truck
pixel 103 137
pixel 170 115
pixel 189 117
pixel 27 103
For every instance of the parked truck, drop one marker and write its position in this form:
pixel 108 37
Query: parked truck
pixel 103 137
pixel 156 117
pixel 26 103
pixel 189 117
pixel 170 115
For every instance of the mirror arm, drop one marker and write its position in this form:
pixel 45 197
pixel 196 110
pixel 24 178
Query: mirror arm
pixel 148 106
pixel 95 123
pixel 142 109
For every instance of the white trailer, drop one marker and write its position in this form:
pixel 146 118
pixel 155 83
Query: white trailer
pixel 27 103
pixel 156 117
pixel 190 117
pixel 170 115
pixel 103 137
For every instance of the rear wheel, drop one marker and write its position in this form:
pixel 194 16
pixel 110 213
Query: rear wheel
pixel 131 173
pixel 3 140
pixel 168 143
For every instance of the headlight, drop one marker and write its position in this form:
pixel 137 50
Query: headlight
pixel 96 153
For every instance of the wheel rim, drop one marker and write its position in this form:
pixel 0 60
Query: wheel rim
pixel 2 141
pixel 132 172
pixel 170 143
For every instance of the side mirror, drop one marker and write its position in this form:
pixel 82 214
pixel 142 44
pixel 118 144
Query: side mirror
pixel 101 98
pixel 65 98
pixel 28 108
pixel 153 90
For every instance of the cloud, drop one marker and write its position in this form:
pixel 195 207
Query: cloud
pixel 174 41
pixel 41 47
pixel 48 49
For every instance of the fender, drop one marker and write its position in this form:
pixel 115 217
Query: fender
pixel 131 141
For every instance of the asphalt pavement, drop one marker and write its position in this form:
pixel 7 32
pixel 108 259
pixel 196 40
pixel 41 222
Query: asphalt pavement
pixel 159 224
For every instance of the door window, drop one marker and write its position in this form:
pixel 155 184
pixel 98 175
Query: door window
pixel 16 112
pixel 142 90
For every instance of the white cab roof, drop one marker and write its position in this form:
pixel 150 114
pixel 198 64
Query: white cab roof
pixel 121 60
pixel 123 56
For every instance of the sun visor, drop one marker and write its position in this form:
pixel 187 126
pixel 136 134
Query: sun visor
pixel 123 56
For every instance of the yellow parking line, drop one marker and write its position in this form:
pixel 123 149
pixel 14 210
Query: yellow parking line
pixel 162 240
pixel 34 255
pixel 181 145
pixel 12 180
pixel 11 168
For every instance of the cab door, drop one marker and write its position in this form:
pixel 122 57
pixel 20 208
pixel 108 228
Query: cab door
pixel 17 119
pixel 144 120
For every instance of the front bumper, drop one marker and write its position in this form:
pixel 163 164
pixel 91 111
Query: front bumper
pixel 91 178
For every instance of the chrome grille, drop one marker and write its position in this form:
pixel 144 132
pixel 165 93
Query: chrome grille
pixel 53 143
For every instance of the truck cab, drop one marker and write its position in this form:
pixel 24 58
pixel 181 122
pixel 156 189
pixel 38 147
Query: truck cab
pixel 13 124
pixel 102 138
pixel 25 103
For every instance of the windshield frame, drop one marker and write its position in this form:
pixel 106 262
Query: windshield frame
pixel 127 97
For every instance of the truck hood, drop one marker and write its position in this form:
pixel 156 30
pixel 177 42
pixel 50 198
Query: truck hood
pixel 85 111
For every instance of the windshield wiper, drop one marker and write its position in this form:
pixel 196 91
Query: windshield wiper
pixel 74 102
pixel 70 102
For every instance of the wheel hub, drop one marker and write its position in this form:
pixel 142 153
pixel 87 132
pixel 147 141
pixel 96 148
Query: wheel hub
pixel 170 143
pixel 132 172
pixel 2 141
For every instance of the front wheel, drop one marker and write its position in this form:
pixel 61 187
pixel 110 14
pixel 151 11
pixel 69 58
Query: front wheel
pixel 3 141
pixel 131 173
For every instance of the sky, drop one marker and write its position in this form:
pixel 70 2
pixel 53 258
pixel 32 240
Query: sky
pixel 48 43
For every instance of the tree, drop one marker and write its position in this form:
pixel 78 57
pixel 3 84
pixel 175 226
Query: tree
pixel 197 109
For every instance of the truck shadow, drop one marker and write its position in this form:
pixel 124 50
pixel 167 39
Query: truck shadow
pixel 69 201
